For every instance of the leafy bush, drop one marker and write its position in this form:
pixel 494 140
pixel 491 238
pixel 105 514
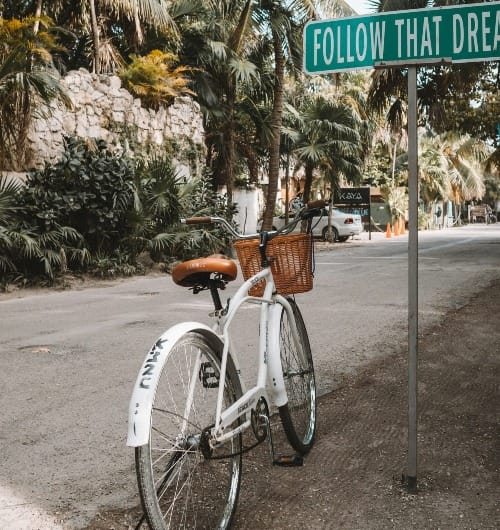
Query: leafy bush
pixel 113 265
pixel 89 189
pixel 424 220
pixel 156 208
pixel 97 212
pixel 156 79
pixel 31 252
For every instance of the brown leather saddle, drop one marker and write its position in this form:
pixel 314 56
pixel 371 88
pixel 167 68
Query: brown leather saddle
pixel 198 272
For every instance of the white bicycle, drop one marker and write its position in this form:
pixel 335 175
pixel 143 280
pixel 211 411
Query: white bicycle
pixel 189 409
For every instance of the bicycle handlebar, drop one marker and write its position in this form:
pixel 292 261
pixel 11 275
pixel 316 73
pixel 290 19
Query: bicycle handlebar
pixel 305 213
pixel 197 220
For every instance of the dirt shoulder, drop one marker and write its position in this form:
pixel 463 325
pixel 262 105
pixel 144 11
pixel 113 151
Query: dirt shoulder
pixel 352 477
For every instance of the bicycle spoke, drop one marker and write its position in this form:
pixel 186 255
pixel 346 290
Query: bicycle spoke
pixel 179 487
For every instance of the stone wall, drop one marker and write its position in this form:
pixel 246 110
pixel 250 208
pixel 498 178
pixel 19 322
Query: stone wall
pixel 103 109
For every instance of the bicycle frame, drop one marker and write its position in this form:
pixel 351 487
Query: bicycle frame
pixel 269 376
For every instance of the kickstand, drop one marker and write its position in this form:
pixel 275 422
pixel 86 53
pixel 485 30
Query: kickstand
pixel 281 460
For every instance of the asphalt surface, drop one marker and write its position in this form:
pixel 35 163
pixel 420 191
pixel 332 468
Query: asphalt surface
pixel 68 360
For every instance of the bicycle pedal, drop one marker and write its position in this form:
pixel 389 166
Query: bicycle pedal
pixel 208 376
pixel 289 461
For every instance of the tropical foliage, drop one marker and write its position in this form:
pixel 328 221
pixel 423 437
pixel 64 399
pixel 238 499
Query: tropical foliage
pixel 156 78
pixel 28 82
pixel 26 250
pixel 96 212
pixel 241 61
pixel 88 189
pixel 325 138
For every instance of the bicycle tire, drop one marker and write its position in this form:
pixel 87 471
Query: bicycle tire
pixel 179 487
pixel 298 416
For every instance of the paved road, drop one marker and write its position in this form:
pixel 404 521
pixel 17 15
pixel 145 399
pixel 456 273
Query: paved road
pixel 68 359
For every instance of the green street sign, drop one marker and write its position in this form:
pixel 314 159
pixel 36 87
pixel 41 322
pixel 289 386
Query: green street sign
pixel 465 33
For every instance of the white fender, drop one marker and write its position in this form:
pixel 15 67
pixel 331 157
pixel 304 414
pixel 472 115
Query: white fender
pixel 141 403
pixel 276 383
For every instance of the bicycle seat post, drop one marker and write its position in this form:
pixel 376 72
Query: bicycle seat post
pixel 213 285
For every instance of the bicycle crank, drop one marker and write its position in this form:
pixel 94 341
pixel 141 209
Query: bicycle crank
pixel 260 420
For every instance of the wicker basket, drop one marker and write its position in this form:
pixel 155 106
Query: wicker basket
pixel 291 263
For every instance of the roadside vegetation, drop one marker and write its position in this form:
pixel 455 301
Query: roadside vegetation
pixel 98 213
pixel 102 212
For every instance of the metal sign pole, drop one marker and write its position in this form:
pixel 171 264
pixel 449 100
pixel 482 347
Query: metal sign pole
pixel 369 214
pixel 412 278
pixel 328 48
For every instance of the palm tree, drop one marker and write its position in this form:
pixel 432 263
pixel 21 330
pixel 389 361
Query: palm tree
pixel 154 13
pixel 218 45
pixel 450 168
pixel 439 88
pixel 94 17
pixel 325 137
pixel 283 22
pixel 28 82
pixel 466 157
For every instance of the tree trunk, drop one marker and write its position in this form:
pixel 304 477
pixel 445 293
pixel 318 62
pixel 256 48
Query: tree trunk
pixel 95 36
pixel 38 14
pixel 139 36
pixel 287 190
pixel 329 237
pixel 230 146
pixel 306 196
pixel 276 117
pixel 251 158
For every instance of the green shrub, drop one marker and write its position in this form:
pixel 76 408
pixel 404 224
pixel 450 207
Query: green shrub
pixel 29 252
pixel 156 79
pixel 156 208
pixel 89 189
pixel 96 212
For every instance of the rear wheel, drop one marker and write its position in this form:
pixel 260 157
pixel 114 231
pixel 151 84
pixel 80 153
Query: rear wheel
pixel 335 234
pixel 182 484
pixel 298 416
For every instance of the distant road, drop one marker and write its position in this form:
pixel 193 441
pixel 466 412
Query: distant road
pixel 68 359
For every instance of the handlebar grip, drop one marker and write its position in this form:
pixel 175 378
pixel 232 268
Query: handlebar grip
pixel 196 220
pixel 317 204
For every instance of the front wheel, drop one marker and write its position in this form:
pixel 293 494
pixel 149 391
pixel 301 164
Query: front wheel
pixel 335 234
pixel 298 416
pixel 181 481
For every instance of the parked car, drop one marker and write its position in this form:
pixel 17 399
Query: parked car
pixel 344 225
